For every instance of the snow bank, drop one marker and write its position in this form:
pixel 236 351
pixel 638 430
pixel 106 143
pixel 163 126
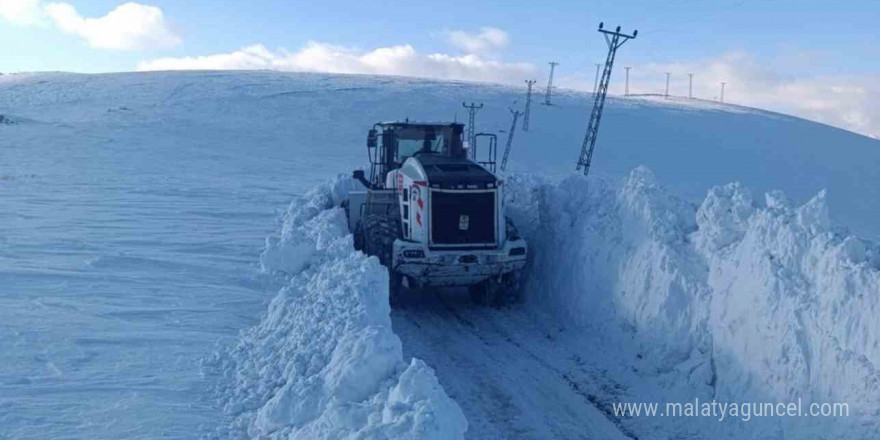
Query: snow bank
pixel 795 309
pixel 324 362
pixel 735 300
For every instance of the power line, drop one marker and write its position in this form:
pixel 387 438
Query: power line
pixel 690 86
pixel 528 105
pixel 553 65
pixel 472 113
pixel 515 114
pixel 613 39
pixel 699 17
pixel 667 86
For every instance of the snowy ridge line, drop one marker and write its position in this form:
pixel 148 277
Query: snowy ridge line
pixel 731 300
pixel 324 362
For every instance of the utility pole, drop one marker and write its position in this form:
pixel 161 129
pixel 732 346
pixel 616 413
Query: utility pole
pixel 596 82
pixel 528 105
pixel 722 91
pixel 613 39
pixel 515 114
pixel 626 90
pixel 690 86
pixel 553 65
pixel 667 86
pixel 472 113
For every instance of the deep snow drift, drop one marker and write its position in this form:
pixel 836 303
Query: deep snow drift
pixel 324 362
pixel 735 300
pixel 732 300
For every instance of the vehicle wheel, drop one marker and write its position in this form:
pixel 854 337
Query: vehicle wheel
pixel 379 233
pixel 494 293
pixel 478 293
pixel 488 293
pixel 511 286
pixel 395 289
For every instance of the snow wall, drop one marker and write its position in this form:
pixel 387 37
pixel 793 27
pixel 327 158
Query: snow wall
pixel 324 363
pixel 736 299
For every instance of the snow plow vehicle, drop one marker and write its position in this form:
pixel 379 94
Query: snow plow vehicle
pixel 434 217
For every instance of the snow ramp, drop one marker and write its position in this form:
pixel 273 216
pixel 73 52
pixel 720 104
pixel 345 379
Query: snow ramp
pixel 323 363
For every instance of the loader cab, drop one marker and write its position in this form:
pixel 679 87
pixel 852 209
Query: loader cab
pixel 390 144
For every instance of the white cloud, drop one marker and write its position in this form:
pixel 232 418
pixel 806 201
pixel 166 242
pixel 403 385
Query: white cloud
pixel 848 102
pixel 319 57
pixel 131 26
pixel 21 12
pixel 487 40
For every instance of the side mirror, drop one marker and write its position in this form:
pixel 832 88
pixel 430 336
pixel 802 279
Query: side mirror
pixel 362 178
pixel 372 138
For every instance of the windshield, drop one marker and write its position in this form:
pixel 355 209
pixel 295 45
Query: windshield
pixel 413 140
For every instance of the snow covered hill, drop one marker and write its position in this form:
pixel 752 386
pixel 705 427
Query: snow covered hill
pixel 135 205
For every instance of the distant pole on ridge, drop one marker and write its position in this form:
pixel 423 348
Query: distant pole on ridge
pixel 596 82
pixel 722 91
pixel 667 86
pixel 690 86
pixel 528 105
pixel 626 90
pixel 553 65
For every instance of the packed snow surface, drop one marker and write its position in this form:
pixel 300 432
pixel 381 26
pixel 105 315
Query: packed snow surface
pixel 140 298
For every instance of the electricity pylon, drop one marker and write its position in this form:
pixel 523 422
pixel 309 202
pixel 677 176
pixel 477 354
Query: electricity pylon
pixel 553 65
pixel 690 86
pixel 515 114
pixel 667 86
pixel 614 42
pixel 472 113
pixel 528 105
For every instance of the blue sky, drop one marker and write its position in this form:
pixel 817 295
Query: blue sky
pixel 844 35
pixel 772 53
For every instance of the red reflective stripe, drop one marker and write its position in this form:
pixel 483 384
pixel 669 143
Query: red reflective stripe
pixel 421 204
pixel 420 183
pixel 419 218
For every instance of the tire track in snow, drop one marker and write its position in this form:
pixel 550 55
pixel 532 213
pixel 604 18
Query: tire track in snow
pixel 512 384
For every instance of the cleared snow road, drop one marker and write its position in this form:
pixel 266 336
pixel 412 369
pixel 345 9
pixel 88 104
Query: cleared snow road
pixel 508 369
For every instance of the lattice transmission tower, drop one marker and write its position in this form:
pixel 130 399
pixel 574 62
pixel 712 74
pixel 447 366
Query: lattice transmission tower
pixel 553 65
pixel 528 110
pixel 515 114
pixel 614 39
pixel 472 114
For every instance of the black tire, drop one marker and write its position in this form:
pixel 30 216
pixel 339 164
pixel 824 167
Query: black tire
pixel 478 293
pixel 377 237
pixel 489 292
pixel 494 293
pixel 395 289
pixel 512 287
